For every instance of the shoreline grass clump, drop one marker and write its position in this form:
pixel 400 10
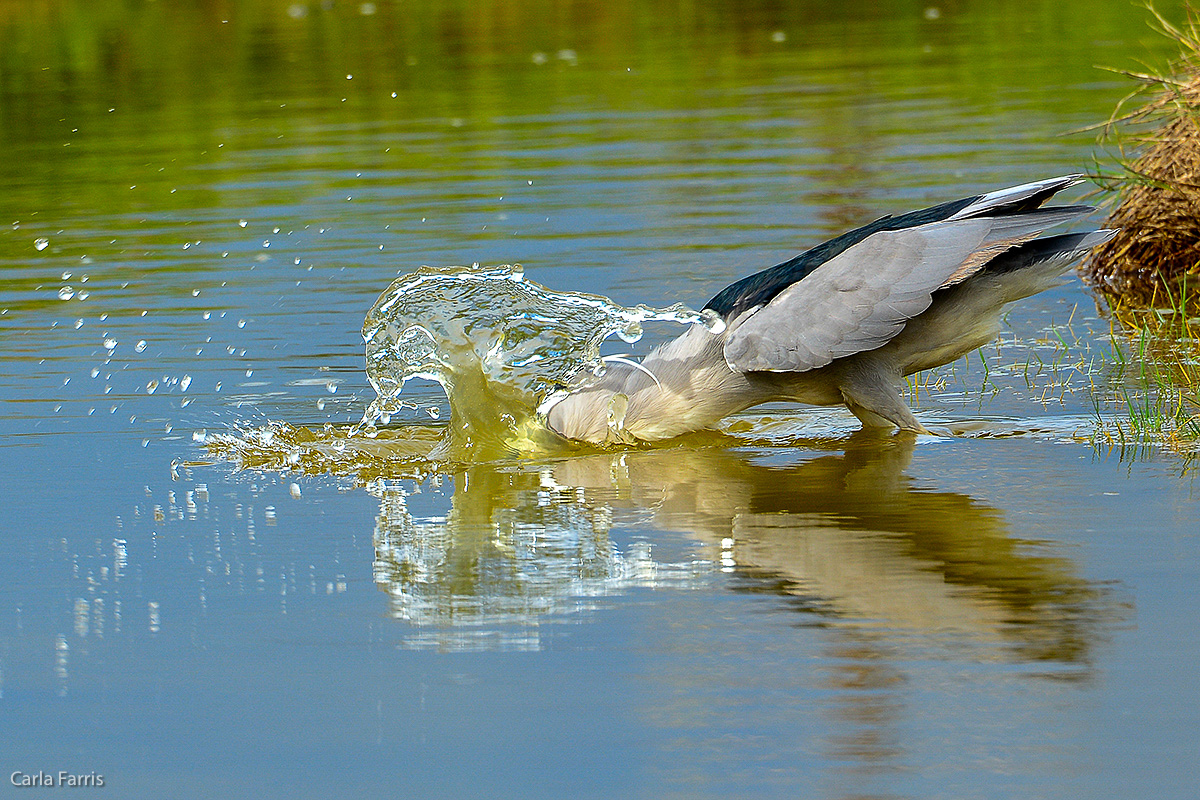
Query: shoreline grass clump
pixel 1156 254
pixel 1148 275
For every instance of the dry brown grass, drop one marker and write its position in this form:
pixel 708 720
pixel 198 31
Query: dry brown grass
pixel 1156 255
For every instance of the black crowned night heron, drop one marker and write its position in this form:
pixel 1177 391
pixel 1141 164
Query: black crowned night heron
pixel 843 322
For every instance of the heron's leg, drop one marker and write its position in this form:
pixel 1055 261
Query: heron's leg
pixel 872 397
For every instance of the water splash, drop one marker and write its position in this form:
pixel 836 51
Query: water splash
pixel 502 347
pixel 499 344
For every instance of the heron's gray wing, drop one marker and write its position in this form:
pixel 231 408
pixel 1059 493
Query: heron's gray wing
pixel 861 298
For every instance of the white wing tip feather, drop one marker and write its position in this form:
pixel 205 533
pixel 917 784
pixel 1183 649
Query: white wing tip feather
pixel 631 363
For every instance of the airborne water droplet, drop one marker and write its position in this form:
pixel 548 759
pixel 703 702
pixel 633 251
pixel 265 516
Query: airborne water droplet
pixel 41 243
pixel 140 346
pixel 66 293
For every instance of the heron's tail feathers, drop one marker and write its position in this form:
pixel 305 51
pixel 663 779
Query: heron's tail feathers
pixel 1053 251
pixel 1037 265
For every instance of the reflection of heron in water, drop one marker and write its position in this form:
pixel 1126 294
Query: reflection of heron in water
pixel 844 321
pixel 848 534
pixel 855 538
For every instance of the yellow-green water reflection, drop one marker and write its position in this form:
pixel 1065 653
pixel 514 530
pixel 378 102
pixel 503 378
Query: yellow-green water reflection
pixel 142 107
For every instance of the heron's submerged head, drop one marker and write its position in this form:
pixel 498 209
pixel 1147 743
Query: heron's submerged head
pixel 596 416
